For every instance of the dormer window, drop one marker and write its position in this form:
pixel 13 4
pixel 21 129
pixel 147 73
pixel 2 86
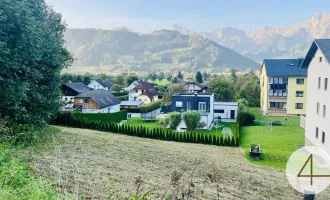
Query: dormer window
pixel 320 59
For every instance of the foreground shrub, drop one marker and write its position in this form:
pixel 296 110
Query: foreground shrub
pixel 174 120
pixel 245 119
pixel 191 118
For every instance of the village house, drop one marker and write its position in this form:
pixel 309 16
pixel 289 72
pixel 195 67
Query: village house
pixel 316 122
pixel 71 90
pixel 100 84
pixel 144 92
pixel 131 86
pixel 193 86
pixel 283 87
pixel 97 101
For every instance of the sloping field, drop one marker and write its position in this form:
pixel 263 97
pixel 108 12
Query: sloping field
pixel 99 165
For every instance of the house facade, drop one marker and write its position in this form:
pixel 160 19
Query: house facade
pixel 144 92
pixel 283 87
pixel 193 86
pixel 316 122
pixel 71 90
pixel 97 101
pixel 99 84
pixel 204 103
pixel 226 111
pixel 131 86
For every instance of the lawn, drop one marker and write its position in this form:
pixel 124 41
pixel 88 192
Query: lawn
pixel 163 82
pixel 99 165
pixel 278 145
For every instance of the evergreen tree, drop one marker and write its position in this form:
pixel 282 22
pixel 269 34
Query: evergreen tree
pixel 180 75
pixel 198 77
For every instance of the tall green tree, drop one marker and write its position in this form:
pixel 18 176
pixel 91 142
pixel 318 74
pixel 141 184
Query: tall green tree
pixel 222 89
pixel 180 75
pixel 119 80
pixel 130 79
pixel 161 76
pixel 232 74
pixel 32 54
pixel 198 77
pixel 86 80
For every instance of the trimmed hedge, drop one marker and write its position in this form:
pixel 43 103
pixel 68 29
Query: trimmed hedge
pixel 118 94
pixel 123 98
pixel 155 133
pixel 65 118
pixel 245 118
pixel 150 107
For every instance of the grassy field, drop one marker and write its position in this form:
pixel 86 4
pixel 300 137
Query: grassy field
pixel 98 165
pixel 278 145
pixel 163 82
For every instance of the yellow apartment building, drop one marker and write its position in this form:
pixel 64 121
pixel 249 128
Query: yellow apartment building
pixel 283 87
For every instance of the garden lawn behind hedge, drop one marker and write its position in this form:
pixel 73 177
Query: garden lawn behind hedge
pixel 278 145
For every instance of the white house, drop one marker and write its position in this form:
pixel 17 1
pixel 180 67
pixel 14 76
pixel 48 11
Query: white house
pixel 144 92
pixel 100 84
pixel 97 101
pixel 317 126
pixel 131 86
pixel 226 111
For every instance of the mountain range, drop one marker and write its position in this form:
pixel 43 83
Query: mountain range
pixel 122 50
pixel 269 42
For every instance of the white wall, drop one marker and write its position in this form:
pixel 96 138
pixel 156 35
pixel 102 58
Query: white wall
pixel 69 99
pixel 111 109
pixel 227 107
pixel 315 95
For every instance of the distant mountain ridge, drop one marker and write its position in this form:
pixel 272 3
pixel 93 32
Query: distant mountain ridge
pixel 122 50
pixel 268 42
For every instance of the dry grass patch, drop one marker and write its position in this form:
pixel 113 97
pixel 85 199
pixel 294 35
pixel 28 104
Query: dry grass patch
pixel 97 165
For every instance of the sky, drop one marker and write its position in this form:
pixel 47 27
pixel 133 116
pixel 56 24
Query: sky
pixel 197 15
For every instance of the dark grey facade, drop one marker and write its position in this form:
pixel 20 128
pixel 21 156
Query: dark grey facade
pixel 184 102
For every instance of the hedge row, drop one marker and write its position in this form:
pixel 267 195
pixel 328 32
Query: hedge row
pixel 122 98
pixel 65 118
pixel 150 107
pixel 118 94
pixel 155 133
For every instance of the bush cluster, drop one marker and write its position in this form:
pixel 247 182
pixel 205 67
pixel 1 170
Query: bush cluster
pixel 245 118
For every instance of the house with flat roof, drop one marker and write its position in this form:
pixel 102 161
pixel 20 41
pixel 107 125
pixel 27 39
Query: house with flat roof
pixel 204 103
pixel 316 123
pixel 283 87
pixel 97 101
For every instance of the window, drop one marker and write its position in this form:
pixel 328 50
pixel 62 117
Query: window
pixel 299 105
pixel 324 110
pixel 323 137
pixel 319 83
pixel 317 108
pixel 320 59
pixel 277 105
pixel 271 80
pixel 300 81
pixel 317 132
pixel 66 99
pixel 85 100
pixel 219 111
pixel 299 93
pixel 178 103
pixel 81 101
pixel 325 83
pixel 202 106
pixel 275 80
pixel 188 105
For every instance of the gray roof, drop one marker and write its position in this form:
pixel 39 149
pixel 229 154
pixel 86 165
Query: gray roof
pixel 131 103
pixel 101 97
pixel 284 67
pixel 323 45
pixel 201 85
pixel 78 87
pixel 104 83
